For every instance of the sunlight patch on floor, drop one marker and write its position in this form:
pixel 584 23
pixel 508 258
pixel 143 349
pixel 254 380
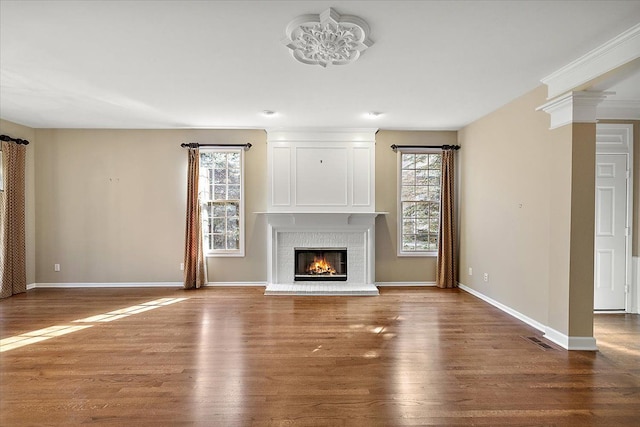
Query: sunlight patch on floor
pixel 127 311
pixel 620 348
pixel 33 337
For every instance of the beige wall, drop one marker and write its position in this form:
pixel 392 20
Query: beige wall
pixel 23 132
pixel 108 205
pixel 111 205
pixel 527 214
pixel 505 203
pixel 559 250
pixel 390 267
pixel 583 202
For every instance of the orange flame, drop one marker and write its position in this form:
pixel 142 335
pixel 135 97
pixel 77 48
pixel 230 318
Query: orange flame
pixel 320 266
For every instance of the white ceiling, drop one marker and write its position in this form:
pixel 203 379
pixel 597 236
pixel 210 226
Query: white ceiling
pixel 219 64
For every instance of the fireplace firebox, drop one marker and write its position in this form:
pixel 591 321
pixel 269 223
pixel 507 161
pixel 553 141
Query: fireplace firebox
pixel 317 264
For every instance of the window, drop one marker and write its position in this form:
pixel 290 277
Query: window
pixel 221 193
pixel 419 203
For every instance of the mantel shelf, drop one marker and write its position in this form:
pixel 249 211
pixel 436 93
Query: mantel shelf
pixel 322 213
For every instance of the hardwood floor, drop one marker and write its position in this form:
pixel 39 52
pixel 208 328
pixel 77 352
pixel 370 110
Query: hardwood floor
pixel 233 357
pixel 618 338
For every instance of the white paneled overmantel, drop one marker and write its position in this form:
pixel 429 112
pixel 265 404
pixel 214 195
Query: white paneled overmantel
pixel 321 170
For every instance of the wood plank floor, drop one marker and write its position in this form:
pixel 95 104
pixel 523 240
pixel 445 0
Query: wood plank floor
pixel 234 357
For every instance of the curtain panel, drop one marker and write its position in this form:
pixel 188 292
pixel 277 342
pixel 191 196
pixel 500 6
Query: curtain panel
pixel 194 263
pixel 447 269
pixel 13 269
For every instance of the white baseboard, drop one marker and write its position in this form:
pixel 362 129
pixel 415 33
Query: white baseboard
pixel 31 286
pixel 233 284
pixel 405 284
pixel 634 307
pixel 109 285
pixel 526 319
pixel 571 343
pixel 564 341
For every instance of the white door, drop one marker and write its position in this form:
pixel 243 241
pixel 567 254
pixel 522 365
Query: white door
pixel 611 241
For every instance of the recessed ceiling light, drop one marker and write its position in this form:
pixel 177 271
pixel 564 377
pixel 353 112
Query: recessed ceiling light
pixel 268 113
pixel 373 114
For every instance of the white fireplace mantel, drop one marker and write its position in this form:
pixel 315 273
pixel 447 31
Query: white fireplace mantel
pixel 331 218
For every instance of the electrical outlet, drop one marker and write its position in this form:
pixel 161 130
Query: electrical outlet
pixel 470 271
pixel 486 277
pixel 56 267
pixel 182 266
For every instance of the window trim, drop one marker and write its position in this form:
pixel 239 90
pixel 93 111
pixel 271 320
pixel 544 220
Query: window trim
pixel 216 253
pixel 399 222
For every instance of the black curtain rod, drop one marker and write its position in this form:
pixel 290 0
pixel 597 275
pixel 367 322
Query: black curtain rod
pixel 196 145
pixel 16 140
pixel 395 147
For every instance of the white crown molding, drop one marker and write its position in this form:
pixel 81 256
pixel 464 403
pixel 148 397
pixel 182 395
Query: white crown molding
pixel 574 107
pixel 327 38
pixel 619 109
pixel 322 135
pixel 616 52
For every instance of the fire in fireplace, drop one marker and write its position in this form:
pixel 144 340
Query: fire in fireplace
pixel 315 264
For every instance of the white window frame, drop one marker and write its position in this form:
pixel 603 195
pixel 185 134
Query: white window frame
pixel 400 222
pixel 240 252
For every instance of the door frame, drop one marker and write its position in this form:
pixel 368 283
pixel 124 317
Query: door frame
pixel 617 138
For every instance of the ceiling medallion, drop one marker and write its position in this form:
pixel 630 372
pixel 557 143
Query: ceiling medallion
pixel 327 39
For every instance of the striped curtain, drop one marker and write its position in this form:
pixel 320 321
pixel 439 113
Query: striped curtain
pixel 13 268
pixel 194 268
pixel 447 269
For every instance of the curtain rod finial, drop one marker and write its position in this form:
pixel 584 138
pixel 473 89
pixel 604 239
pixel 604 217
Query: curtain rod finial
pixel 18 141
pixel 196 145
